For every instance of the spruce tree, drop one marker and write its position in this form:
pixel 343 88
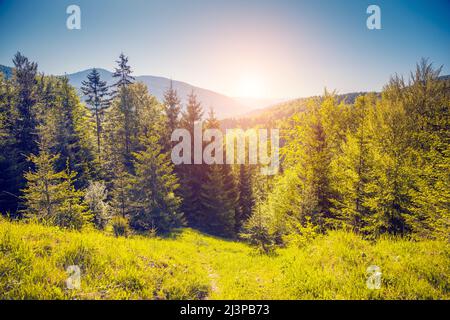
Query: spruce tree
pixel 72 138
pixel 351 168
pixel 50 196
pixel 172 108
pixel 218 213
pixel 192 175
pixel 126 112
pixel 154 203
pixel 97 93
pixel 246 199
pixel 123 73
pixel 22 123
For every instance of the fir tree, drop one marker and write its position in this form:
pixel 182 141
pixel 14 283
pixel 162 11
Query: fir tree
pixel 71 138
pixel 172 108
pixel 246 198
pixel 97 93
pixel 50 196
pixel 192 176
pixel 123 73
pixel 21 110
pixel 155 205
pixel 218 213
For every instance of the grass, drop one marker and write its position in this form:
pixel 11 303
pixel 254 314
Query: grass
pixel 190 265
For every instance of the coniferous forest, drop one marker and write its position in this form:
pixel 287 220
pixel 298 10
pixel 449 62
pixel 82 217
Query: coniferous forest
pixel 361 182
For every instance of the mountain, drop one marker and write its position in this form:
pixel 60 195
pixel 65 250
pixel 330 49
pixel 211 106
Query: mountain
pixel 270 116
pixel 224 106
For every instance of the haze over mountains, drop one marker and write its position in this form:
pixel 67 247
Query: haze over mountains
pixel 241 112
pixel 224 106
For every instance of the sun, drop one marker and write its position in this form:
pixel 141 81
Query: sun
pixel 250 86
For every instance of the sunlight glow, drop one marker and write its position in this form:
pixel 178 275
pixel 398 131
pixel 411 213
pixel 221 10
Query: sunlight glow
pixel 250 86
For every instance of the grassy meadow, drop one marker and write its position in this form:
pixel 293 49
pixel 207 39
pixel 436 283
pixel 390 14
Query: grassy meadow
pixel 190 265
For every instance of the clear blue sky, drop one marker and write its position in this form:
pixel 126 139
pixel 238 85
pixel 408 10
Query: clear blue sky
pixel 266 48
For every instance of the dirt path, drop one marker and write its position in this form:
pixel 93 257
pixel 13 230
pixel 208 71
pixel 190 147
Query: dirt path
pixel 212 275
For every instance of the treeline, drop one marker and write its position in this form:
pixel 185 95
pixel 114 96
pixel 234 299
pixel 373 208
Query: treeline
pixel 377 166
pixel 77 164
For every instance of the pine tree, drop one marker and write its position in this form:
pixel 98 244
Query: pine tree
pixel 351 168
pixel 218 194
pixel 126 113
pixel 71 138
pixel 155 205
pixel 121 189
pixel 97 93
pixel 246 200
pixel 50 196
pixel 8 157
pixel 172 107
pixel 218 213
pixel 20 108
pixel 123 73
pixel 192 176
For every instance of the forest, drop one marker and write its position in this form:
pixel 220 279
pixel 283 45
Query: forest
pixel 371 168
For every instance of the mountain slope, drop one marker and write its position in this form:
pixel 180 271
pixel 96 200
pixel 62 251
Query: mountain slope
pixel 270 116
pixel 223 105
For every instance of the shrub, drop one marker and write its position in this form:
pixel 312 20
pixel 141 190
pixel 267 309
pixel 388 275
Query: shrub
pixel 95 198
pixel 120 226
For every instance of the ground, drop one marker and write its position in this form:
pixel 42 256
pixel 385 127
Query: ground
pixel 190 265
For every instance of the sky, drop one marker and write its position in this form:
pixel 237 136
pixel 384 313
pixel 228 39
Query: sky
pixel 254 48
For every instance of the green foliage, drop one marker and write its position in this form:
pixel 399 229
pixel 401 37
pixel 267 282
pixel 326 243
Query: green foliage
pixel 51 196
pixel 155 204
pixel 378 166
pixel 246 199
pixel 218 212
pixel 257 231
pixel 120 226
pixel 97 93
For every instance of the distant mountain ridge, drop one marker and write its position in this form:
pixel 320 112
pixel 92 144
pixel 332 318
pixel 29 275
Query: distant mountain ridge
pixel 223 105
pixel 234 112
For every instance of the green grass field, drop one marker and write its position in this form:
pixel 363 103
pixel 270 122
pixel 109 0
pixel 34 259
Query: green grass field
pixel 190 265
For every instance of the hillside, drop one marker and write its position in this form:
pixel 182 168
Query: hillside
pixel 271 115
pixel 190 265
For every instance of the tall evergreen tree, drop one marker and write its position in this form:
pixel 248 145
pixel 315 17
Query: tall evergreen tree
pixel 192 176
pixel 72 138
pixel 97 93
pixel 246 199
pixel 21 109
pixel 351 168
pixel 172 107
pixel 155 204
pixel 218 214
pixel 125 111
